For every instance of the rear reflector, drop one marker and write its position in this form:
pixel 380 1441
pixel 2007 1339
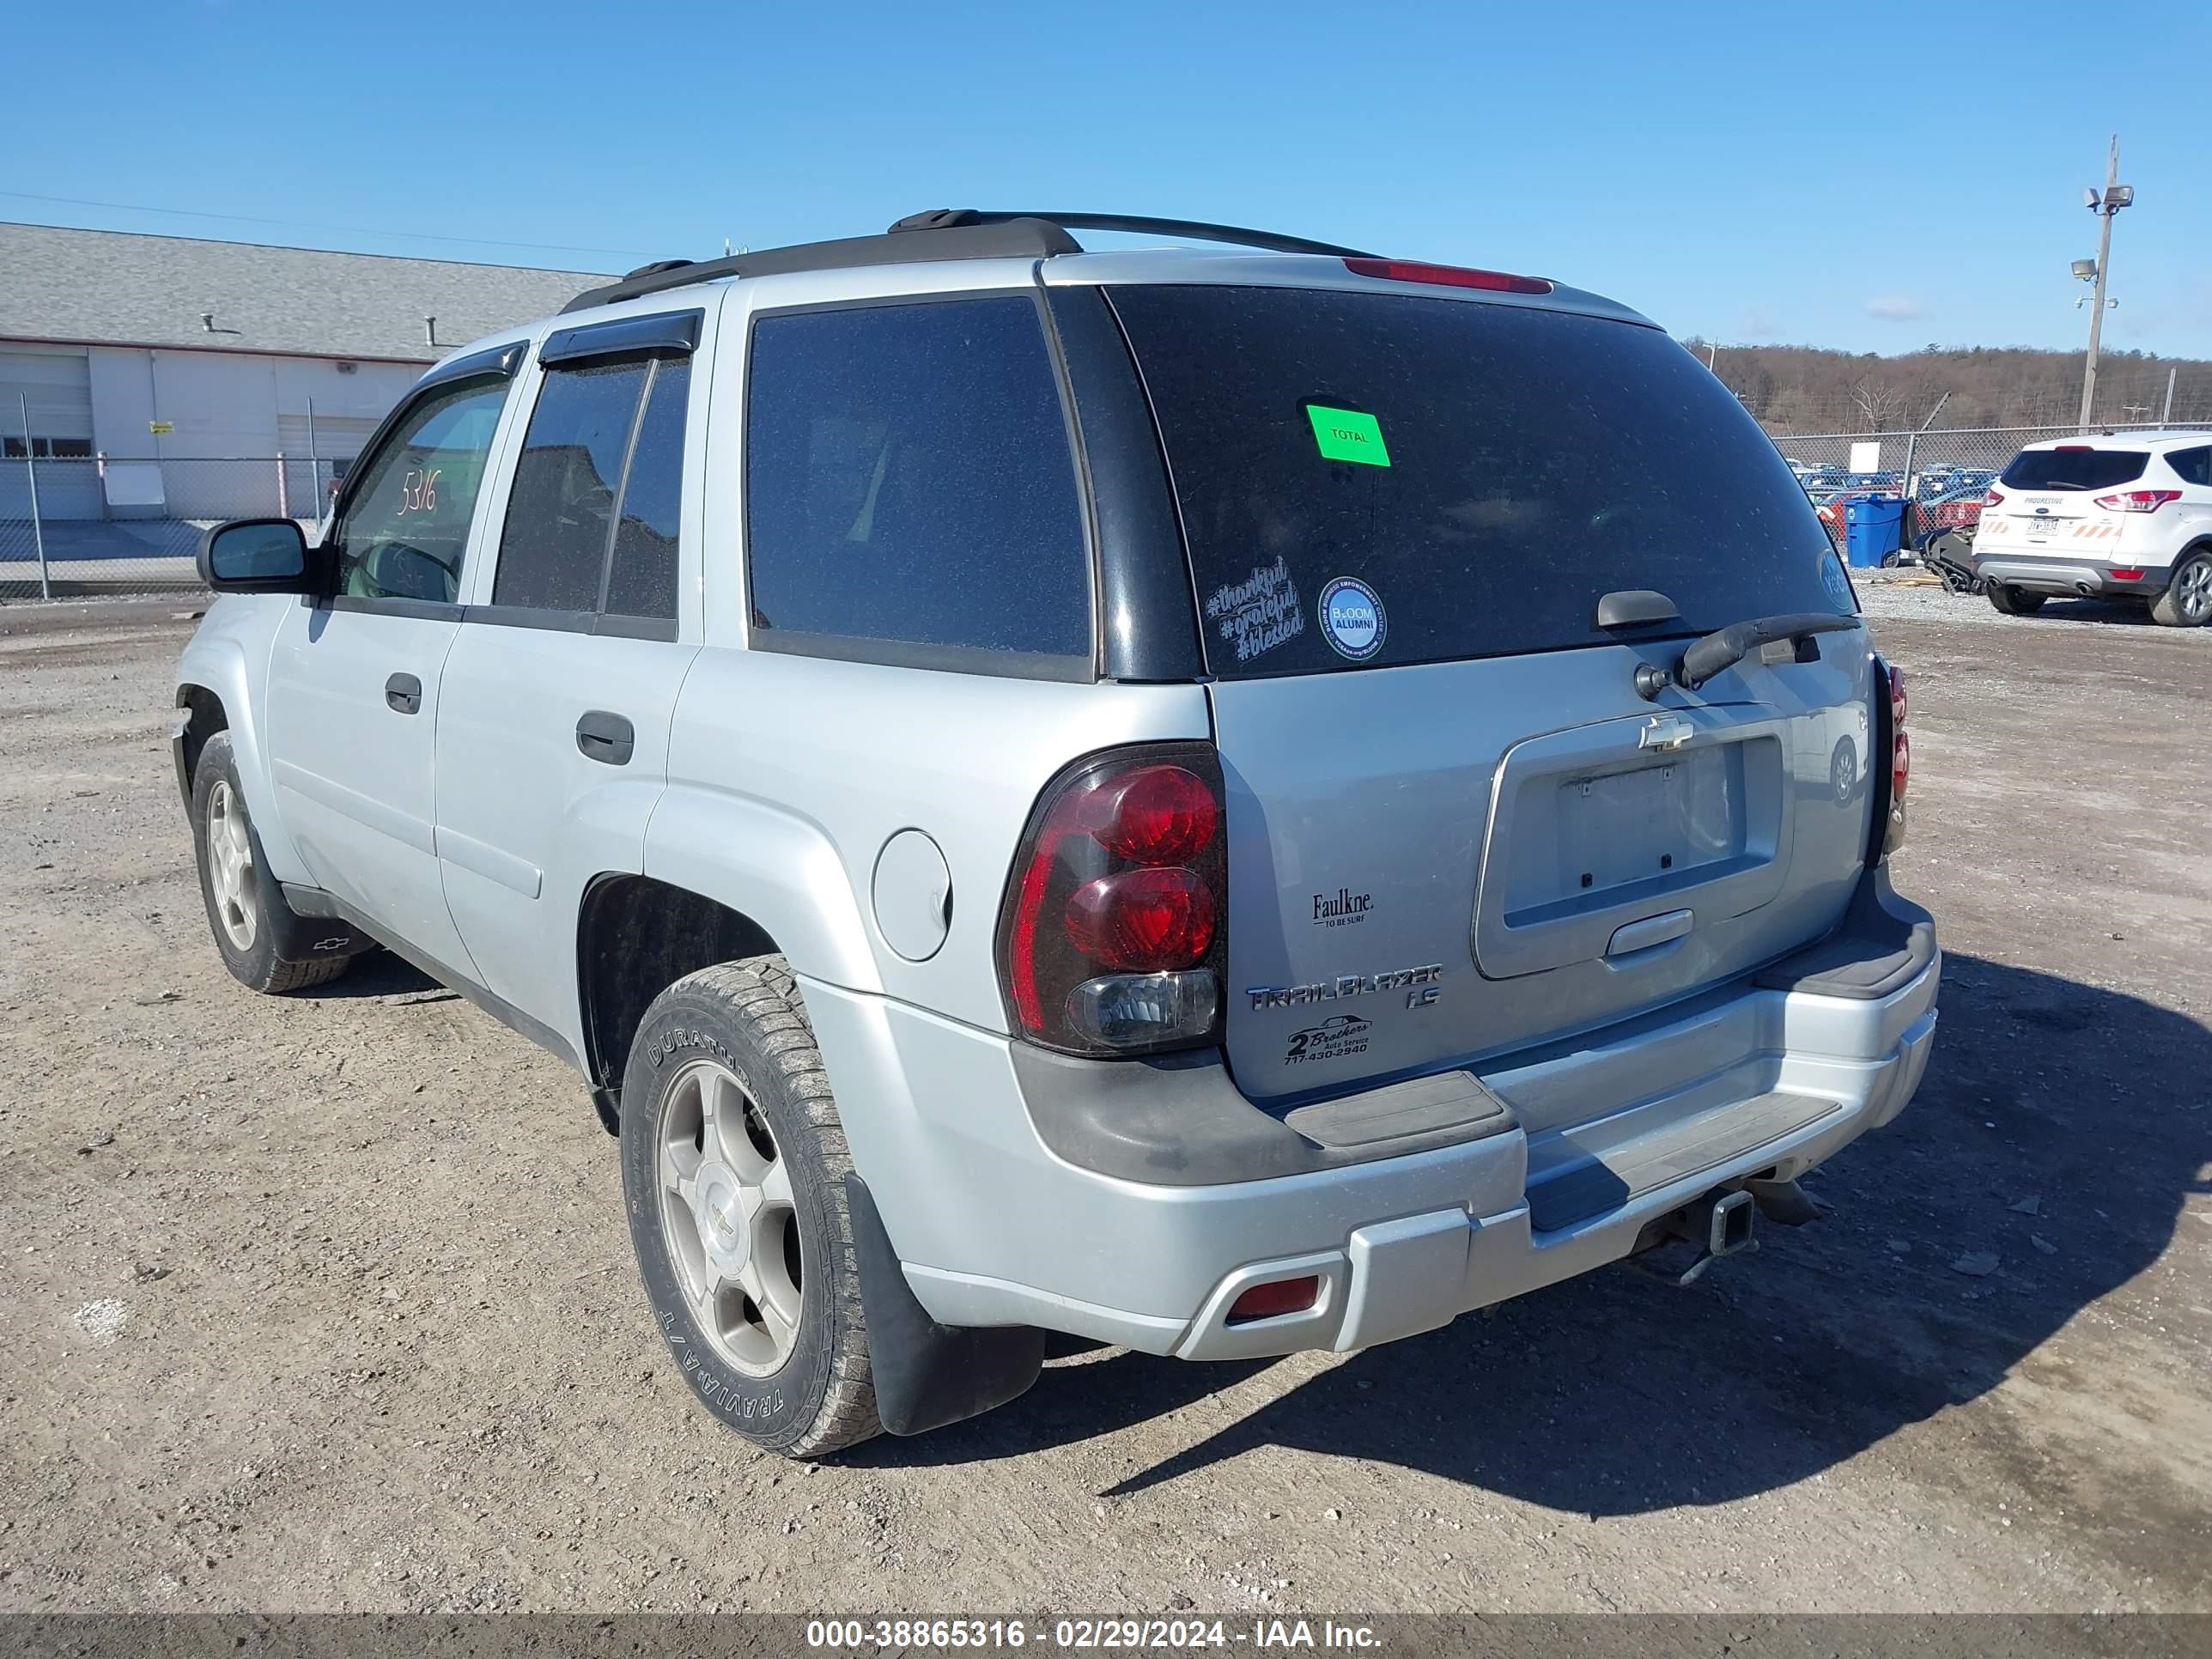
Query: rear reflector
pixel 1412 271
pixel 2119 575
pixel 1273 1301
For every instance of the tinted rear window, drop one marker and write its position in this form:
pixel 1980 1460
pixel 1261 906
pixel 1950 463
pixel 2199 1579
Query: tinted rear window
pixel 1371 478
pixel 2074 469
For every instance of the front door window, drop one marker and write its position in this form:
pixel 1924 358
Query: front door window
pixel 406 526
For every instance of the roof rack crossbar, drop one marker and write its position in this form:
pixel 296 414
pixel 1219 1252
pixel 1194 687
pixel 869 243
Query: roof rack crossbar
pixel 1193 230
pixel 941 234
pixel 1010 236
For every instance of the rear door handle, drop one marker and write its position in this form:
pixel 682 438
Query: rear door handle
pixel 604 736
pixel 404 692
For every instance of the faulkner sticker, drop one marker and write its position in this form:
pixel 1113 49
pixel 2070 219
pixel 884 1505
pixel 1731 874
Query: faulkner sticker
pixel 1352 618
pixel 1346 435
pixel 1342 909
pixel 1259 613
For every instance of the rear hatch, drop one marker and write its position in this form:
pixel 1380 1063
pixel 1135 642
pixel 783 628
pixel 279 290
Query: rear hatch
pixel 1456 828
pixel 2048 501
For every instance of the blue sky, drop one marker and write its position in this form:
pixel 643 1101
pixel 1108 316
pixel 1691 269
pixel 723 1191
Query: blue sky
pixel 1869 176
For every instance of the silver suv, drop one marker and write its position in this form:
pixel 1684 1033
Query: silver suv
pixel 1221 802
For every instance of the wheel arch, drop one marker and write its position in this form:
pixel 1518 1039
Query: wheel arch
pixel 636 936
pixel 202 715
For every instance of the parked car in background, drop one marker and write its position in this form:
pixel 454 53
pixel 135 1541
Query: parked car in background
pixel 2125 517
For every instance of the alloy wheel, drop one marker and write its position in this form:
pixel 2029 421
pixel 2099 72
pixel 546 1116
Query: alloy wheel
pixel 230 867
pixel 728 1217
pixel 2193 590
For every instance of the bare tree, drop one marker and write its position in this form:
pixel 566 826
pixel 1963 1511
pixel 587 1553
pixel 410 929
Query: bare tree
pixel 1878 404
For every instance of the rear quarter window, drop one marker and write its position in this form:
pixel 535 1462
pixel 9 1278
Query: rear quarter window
pixel 1370 479
pixel 2081 468
pixel 910 489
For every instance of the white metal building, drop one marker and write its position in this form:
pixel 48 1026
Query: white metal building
pixel 140 351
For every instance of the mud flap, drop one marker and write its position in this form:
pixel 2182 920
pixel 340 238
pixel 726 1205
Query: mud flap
pixel 929 1375
pixel 312 929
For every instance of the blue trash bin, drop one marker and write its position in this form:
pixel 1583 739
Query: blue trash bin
pixel 1872 527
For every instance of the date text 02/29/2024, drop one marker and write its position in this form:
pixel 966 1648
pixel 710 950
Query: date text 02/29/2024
pixel 872 1635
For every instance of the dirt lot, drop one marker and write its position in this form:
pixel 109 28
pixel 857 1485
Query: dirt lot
pixel 327 1302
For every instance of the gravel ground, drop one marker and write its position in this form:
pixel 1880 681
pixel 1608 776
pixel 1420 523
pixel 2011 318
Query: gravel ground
pixel 327 1303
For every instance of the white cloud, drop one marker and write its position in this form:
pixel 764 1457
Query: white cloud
pixel 1895 308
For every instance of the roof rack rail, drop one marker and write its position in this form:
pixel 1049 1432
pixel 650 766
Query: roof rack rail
pixel 1198 230
pixel 1012 237
pixel 940 233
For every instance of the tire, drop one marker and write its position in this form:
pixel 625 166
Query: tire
pixel 2015 601
pixel 246 907
pixel 752 1277
pixel 2187 601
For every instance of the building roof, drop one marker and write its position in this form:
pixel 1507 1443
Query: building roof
pixel 111 288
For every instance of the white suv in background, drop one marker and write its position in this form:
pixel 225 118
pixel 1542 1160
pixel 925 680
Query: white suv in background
pixel 2126 516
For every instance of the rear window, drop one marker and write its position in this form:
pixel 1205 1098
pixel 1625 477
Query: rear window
pixel 2074 469
pixel 1370 478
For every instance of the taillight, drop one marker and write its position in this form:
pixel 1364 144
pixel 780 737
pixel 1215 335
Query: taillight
pixel 1900 754
pixel 2138 500
pixel 1110 940
pixel 1413 271
pixel 1994 498
pixel 1143 921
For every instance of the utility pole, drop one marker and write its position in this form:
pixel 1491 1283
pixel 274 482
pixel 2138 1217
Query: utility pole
pixel 2116 196
pixel 2166 416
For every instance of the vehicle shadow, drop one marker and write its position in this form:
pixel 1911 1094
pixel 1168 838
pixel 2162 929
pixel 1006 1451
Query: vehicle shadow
pixel 1617 1394
pixel 2117 612
pixel 380 973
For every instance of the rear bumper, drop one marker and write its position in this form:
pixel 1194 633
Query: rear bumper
pixel 995 1226
pixel 2046 574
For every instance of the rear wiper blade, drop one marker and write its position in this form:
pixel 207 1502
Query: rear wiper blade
pixel 1719 652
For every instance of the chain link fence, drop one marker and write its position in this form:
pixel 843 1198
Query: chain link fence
pixel 75 526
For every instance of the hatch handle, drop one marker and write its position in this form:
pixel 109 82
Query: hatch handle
pixel 1652 930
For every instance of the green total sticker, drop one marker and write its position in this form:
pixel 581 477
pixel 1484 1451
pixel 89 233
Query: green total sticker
pixel 1345 434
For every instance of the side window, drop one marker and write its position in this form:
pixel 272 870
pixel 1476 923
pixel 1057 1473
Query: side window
pixel 591 522
pixel 2192 465
pixel 642 581
pixel 406 527
pixel 909 480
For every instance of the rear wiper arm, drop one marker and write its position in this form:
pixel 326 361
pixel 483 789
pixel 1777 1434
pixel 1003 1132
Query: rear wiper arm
pixel 1719 652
